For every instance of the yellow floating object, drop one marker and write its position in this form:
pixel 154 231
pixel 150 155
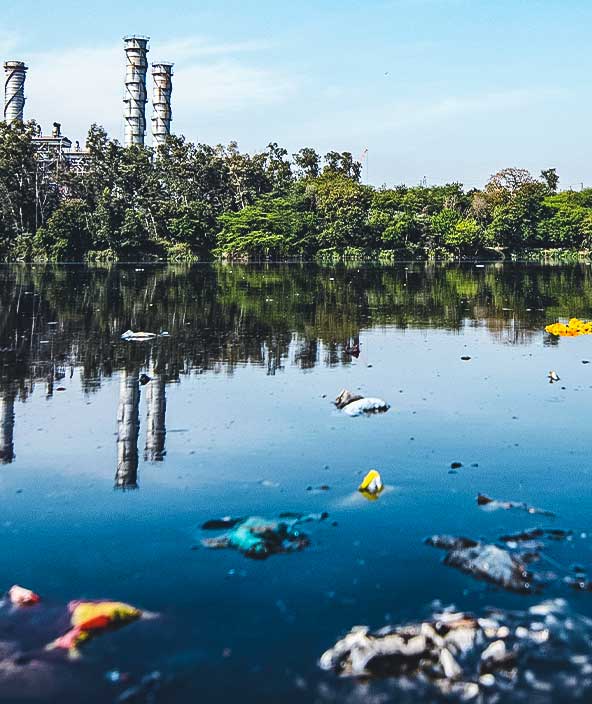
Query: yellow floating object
pixel 89 618
pixel 574 327
pixel 115 612
pixel 371 485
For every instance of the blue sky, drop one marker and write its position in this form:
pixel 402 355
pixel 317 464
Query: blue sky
pixel 437 89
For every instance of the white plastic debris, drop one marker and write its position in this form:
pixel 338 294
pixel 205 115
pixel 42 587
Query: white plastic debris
pixel 132 336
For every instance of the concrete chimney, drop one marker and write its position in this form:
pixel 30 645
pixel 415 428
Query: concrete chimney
pixel 161 102
pixel 14 90
pixel 136 51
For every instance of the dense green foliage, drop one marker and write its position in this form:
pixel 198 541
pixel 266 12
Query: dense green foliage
pixel 196 201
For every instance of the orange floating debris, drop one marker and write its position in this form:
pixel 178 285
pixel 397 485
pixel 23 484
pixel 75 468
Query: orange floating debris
pixel 573 328
pixel 91 617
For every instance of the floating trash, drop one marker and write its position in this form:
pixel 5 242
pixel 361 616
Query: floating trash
pixel 131 336
pixel 353 350
pixel 20 596
pixel 574 327
pixel 145 379
pixel 537 533
pixel 486 562
pixel 371 486
pixel 258 538
pixel 355 404
pixel 144 691
pixel 535 655
pixel 494 505
pixel 89 618
pixel 553 376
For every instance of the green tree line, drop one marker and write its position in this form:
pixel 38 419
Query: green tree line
pixel 194 201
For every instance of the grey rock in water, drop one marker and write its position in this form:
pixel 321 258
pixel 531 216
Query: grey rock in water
pixel 485 561
pixel 539 655
pixel 494 505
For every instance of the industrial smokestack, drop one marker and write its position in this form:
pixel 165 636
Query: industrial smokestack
pixel 136 50
pixel 14 90
pixel 161 101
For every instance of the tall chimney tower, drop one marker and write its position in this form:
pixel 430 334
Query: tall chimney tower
pixel 161 102
pixel 136 50
pixel 14 90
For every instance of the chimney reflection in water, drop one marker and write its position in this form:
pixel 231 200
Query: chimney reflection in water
pixel 7 398
pixel 128 427
pixel 154 450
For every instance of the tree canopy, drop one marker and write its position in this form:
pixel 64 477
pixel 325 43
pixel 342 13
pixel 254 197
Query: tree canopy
pixel 198 201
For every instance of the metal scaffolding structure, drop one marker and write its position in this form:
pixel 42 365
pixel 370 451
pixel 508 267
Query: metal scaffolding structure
pixel 136 51
pixel 14 90
pixel 162 88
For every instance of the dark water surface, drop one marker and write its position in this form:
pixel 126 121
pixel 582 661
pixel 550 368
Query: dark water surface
pixel 254 357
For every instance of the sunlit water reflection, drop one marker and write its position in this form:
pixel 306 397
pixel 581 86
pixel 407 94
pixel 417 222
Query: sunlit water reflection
pixel 105 481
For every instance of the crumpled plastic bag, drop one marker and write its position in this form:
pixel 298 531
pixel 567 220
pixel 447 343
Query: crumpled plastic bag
pixel 355 405
pixel 20 596
pixel 258 538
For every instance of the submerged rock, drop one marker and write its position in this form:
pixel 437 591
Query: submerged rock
pixel 537 533
pixel 455 656
pixel 486 562
pixel 493 505
pixel 258 538
pixel 355 404
pixel 144 692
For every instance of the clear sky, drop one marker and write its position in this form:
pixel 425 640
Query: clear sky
pixel 438 89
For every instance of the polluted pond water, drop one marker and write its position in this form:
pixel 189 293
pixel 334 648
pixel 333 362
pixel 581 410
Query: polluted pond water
pixel 149 414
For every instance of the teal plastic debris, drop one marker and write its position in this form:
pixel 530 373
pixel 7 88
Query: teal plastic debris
pixel 258 537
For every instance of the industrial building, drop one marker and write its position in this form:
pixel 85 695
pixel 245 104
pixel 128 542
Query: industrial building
pixel 55 148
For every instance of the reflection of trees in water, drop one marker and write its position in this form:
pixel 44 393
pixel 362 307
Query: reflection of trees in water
pixel 221 316
pixel 56 319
